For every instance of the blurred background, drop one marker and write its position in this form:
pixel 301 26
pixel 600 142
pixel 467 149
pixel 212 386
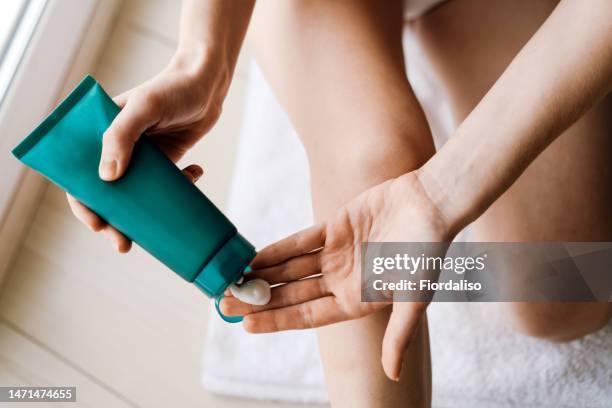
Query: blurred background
pixel 121 328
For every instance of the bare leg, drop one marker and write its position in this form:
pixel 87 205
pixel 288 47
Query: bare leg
pixel 337 68
pixel 565 194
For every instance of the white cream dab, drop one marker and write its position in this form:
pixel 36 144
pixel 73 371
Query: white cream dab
pixel 254 292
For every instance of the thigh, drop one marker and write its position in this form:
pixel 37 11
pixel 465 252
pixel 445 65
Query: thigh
pixel 337 68
pixel 565 193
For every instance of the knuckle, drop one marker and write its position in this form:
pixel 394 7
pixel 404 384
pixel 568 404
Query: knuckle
pixel 116 142
pixel 144 103
pixel 112 141
pixel 152 102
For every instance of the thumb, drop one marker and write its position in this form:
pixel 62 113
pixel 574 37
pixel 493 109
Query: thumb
pixel 119 139
pixel 402 326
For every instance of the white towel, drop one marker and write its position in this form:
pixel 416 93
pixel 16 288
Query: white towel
pixel 477 360
pixel 270 199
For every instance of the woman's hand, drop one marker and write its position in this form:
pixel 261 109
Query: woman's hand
pixel 179 105
pixel 174 109
pixel 319 268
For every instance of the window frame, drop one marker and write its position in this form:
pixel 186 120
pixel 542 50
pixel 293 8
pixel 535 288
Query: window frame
pixel 56 57
pixel 19 36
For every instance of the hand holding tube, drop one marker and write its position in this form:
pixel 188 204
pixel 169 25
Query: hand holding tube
pixel 178 106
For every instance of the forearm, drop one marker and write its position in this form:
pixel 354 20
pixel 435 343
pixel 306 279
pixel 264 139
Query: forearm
pixel 560 73
pixel 212 31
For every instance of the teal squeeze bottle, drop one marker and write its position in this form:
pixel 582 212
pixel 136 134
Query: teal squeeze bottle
pixel 153 204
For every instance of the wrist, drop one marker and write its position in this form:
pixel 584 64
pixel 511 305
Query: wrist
pixel 211 35
pixel 427 220
pixel 453 215
pixel 206 68
pixel 200 61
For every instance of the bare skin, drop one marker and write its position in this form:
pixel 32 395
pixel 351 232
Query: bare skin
pixel 345 90
pixel 565 194
pixel 337 67
pixel 178 106
pixel 491 167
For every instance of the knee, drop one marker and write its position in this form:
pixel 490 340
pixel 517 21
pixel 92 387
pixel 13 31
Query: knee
pixel 559 322
pixel 379 152
pixel 391 153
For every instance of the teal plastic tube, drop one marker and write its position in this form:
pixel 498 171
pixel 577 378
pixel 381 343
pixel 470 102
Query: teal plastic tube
pixel 153 204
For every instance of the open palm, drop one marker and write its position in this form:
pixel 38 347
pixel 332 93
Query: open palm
pixel 318 269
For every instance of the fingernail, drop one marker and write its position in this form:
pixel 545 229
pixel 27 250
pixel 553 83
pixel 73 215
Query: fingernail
pixel 196 174
pixel 108 168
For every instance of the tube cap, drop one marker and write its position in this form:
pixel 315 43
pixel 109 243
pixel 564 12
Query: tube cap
pixel 226 267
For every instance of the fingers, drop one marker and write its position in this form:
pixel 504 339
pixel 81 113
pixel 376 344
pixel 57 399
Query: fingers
pixel 85 215
pixel 138 115
pixel 315 313
pixel 119 241
pixel 293 269
pixel 285 295
pixel 95 223
pixel 297 244
pixel 193 172
pixel 402 326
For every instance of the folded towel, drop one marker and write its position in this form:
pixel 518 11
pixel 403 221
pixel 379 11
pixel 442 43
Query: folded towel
pixel 270 199
pixel 478 361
